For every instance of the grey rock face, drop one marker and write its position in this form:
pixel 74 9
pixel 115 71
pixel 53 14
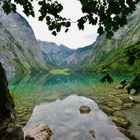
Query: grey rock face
pixel 62 56
pixel 80 56
pixel 55 54
pixel 18 45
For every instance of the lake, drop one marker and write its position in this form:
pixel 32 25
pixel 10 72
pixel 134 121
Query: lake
pixel 61 96
pixel 31 90
pixel 40 88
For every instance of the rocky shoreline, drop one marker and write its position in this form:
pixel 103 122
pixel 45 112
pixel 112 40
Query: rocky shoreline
pixel 115 105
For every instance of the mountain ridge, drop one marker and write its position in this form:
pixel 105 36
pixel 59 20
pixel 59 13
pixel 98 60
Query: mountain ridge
pixel 105 51
pixel 19 51
pixel 55 54
pixel 61 55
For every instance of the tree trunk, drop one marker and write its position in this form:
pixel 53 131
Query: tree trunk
pixel 9 129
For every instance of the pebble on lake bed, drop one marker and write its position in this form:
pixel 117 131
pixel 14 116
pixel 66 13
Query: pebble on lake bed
pixel 84 109
pixel 92 133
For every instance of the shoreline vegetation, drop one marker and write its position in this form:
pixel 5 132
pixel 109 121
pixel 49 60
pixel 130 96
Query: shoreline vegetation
pixel 65 71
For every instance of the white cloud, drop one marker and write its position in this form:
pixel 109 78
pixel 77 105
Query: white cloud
pixel 74 38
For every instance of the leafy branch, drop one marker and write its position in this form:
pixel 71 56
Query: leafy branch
pixel 109 15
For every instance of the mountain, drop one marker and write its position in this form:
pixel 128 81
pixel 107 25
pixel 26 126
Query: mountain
pixel 79 56
pixel 19 49
pixel 62 56
pixel 55 55
pixel 102 52
pixel 111 51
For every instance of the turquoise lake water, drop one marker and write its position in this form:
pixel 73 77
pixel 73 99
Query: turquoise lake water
pixel 46 87
pixel 42 86
pixel 48 92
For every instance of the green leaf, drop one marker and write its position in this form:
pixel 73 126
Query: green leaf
pixel 68 24
pixel 100 30
pixel 54 33
pixel 66 30
pixel 109 34
pixel 51 27
pixel 6 7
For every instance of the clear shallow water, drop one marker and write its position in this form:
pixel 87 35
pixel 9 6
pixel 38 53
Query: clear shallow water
pixel 66 122
pixel 40 88
pixel 32 90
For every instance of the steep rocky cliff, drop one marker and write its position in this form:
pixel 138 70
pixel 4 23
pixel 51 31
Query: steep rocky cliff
pixel 55 55
pixel 124 37
pixel 19 50
pixel 80 56
pixel 61 56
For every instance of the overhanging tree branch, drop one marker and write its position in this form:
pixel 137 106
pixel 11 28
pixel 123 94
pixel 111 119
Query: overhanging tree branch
pixel 110 15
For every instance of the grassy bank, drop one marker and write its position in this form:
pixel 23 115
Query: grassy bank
pixel 60 71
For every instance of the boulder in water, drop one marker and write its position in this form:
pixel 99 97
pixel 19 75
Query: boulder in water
pixel 39 132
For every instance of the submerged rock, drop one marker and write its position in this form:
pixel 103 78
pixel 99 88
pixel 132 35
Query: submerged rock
pixel 127 105
pixel 107 110
pixel 39 132
pixel 127 133
pixel 118 114
pixel 92 133
pixel 84 109
pixel 121 121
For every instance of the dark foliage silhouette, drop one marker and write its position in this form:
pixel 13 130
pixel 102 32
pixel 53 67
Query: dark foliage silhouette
pixel 110 15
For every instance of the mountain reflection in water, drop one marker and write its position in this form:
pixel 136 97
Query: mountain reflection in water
pixel 44 87
pixel 34 89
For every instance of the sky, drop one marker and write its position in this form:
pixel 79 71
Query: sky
pixel 73 38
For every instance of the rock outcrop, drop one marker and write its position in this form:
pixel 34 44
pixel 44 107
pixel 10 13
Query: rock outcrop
pixel 9 128
pixel 19 50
